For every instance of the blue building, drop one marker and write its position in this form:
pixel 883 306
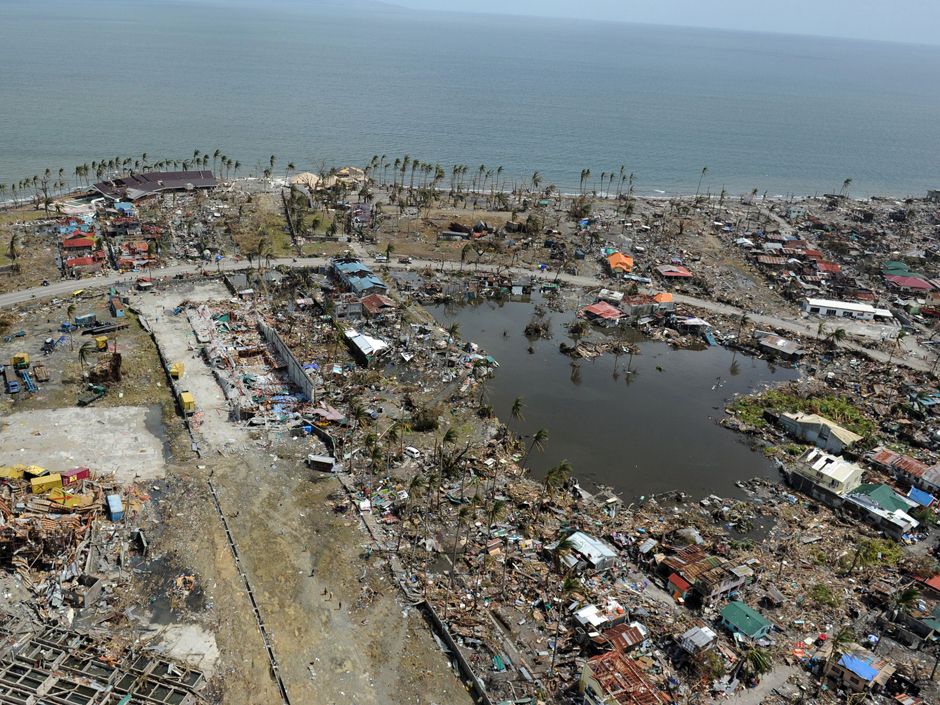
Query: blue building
pixel 357 277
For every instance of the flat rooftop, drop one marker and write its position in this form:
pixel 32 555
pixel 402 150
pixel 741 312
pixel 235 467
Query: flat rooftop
pixel 150 182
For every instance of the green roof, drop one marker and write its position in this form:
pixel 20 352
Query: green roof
pixel 883 496
pixel 743 619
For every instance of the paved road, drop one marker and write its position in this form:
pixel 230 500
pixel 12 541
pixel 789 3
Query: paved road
pixel 916 356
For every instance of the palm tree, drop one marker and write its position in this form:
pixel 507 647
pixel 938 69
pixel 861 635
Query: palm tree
pixel 568 586
pixel 756 662
pixel 901 335
pixel 845 188
pixel 453 330
pixel 86 352
pixel 539 439
pixel 389 249
pixel 11 249
pixel 698 189
pixel 290 168
pixel 516 411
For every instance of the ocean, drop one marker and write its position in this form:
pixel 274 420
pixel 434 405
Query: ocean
pixel 332 86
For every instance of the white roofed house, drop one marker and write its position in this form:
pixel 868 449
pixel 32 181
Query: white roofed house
pixel 819 430
pixel 581 551
pixel 825 477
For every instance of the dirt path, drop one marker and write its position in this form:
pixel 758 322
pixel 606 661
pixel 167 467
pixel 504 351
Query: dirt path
pixel 755 696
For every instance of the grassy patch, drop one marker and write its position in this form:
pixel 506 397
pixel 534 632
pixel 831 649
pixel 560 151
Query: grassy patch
pixel 822 595
pixel 751 409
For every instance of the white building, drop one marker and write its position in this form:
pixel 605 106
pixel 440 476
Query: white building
pixel 841 309
pixel 819 430
pixel 835 475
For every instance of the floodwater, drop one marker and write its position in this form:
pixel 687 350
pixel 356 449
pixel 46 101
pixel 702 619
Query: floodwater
pixel 648 431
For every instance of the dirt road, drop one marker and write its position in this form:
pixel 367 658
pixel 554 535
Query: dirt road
pixel 911 353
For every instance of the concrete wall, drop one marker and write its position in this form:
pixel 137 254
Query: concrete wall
pixel 295 371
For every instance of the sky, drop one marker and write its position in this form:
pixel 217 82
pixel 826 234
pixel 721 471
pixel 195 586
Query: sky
pixel 913 21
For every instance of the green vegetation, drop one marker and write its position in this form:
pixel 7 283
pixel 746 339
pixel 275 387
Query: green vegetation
pixel 750 410
pixel 823 596
pixel 792 449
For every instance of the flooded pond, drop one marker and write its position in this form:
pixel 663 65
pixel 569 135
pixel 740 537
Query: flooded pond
pixel 652 430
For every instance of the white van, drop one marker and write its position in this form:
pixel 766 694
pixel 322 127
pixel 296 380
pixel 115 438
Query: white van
pixel 412 452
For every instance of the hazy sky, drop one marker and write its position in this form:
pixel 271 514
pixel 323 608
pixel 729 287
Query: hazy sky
pixel 898 20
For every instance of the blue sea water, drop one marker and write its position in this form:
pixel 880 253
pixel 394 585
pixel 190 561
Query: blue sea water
pixel 98 79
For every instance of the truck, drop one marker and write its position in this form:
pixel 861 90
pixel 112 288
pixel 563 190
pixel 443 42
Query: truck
pixel 20 361
pixel 176 370
pixel 101 342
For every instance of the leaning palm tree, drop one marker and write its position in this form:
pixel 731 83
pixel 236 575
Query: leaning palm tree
pixel 516 411
pixel 539 439
pixel 86 352
pixel 453 329
pixel 698 189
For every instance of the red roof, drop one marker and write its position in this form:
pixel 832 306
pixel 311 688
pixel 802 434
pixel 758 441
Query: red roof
pixel 679 582
pixel 84 243
pixel 602 309
pixel 933 583
pixel 829 267
pixel 373 303
pixel 673 271
pixel 623 681
pixel 908 282
pixel 79 261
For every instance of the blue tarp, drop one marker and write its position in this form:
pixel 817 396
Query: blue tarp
pixel 860 668
pixel 924 499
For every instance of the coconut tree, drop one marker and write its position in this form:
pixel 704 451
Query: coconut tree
pixel 755 663
pixel 453 330
pixel 698 189
pixel 539 439
pixel 516 412
pixel 568 586
pixel 389 249
pixel 900 601
pixel 86 352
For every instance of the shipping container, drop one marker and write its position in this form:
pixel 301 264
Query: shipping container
pixel 187 402
pixel 31 471
pixel 12 472
pixel 74 476
pixel 115 507
pixel 46 483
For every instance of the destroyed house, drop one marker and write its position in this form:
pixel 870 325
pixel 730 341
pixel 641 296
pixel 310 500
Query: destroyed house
pixel 882 507
pixel 615 679
pixel 906 468
pixel 824 476
pixel 857 669
pixel 602 313
pixel 137 186
pixel 581 551
pixel 706 575
pixel 365 348
pixel 357 277
pixel 818 430
pixel 377 304
pixel 780 347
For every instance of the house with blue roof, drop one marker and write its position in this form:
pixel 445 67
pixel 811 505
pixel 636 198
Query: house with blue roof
pixel 859 670
pixel 357 277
